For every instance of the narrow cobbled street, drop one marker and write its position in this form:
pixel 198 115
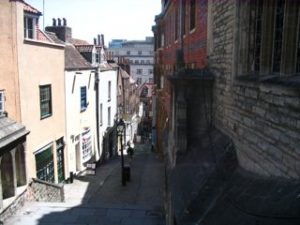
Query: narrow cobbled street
pixel 102 199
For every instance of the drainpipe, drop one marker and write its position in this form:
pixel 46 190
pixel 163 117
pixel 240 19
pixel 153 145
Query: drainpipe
pixel 97 111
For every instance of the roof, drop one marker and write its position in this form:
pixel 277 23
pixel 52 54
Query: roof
pixel 85 48
pixel 54 38
pixel 75 41
pixel 74 60
pixel 10 131
pixel 30 9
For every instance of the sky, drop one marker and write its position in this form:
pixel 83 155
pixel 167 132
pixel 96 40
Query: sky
pixel 116 19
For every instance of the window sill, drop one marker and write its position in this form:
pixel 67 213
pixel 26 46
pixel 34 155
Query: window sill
pixel 192 31
pixel 46 116
pixel 83 110
pixel 290 81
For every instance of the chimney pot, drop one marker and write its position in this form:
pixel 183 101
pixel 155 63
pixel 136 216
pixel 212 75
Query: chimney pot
pixel 54 22
pixel 102 38
pixel 64 22
pixel 99 39
pixel 59 22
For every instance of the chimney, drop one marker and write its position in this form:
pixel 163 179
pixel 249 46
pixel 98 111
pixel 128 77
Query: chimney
pixel 64 22
pixel 99 39
pixel 64 32
pixel 102 38
pixel 95 41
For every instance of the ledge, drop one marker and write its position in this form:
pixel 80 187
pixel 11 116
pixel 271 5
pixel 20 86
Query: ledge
pixel 289 81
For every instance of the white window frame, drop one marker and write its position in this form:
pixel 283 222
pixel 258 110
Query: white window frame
pixel 25 25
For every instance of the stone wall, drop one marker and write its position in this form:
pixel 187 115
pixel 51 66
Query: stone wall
pixel 13 208
pixel 262 118
pixel 39 190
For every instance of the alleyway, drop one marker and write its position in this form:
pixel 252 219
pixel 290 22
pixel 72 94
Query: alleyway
pixel 102 199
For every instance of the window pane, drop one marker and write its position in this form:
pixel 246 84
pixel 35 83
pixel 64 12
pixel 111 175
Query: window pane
pixel 83 100
pixel 45 100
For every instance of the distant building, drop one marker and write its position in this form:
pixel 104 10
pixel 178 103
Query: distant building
pixel 139 54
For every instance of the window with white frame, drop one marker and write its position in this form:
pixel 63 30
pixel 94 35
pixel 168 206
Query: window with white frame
pixel 2 99
pixel 83 98
pixel 139 71
pixel 108 116
pixel 109 90
pixel 30 26
pixel 101 114
pixel 45 101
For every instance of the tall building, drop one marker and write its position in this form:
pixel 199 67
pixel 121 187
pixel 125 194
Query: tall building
pixel 140 56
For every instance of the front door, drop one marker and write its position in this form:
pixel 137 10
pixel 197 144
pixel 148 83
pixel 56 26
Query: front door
pixel 60 159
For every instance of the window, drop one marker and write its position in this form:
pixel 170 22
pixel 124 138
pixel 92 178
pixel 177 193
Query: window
pixel 2 99
pixel 108 116
pixel 128 52
pixel 139 80
pixel 97 58
pixel 139 71
pixel 269 37
pixel 45 101
pixel 29 27
pixel 83 98
pixel 183 16
pixel 150 80
pixel 192 14
pixel 176 23
pixel 101 114
pixel 60 159
pixel 142 61
pixel 140 52
pixel 136 61
pixel 148 61
pixel 109 90
pixel 44 164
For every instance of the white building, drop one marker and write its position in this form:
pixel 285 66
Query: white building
pixel 140 56
pixel 107 86
pixel 81 134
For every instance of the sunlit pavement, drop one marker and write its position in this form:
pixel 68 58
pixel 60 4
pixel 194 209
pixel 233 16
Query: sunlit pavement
pixel 102 199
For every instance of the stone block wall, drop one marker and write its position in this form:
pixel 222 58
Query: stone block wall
pixel 39 190
pixel 13 208
pixel 262 118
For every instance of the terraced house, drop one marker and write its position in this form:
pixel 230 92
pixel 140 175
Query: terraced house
pixel 34 91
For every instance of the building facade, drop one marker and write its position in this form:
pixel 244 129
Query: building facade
pixel 140 57
pixel 34 94
pixel 227 109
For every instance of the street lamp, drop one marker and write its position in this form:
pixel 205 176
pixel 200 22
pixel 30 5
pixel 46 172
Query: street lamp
pixel 120 133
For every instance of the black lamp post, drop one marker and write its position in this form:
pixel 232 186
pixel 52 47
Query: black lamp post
pixel 120 133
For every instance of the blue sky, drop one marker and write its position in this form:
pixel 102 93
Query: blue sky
pixel 124 19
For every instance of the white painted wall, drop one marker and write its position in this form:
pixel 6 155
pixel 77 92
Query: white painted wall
pixel 106 76
pixel 77 120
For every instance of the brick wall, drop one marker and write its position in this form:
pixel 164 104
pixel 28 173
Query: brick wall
pixel 262 118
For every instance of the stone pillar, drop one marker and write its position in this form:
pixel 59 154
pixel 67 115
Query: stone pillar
pixel 13 157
